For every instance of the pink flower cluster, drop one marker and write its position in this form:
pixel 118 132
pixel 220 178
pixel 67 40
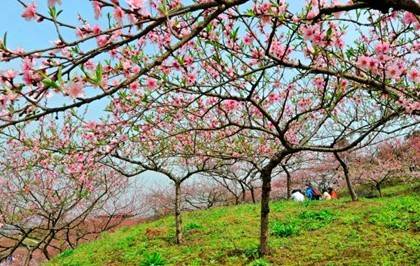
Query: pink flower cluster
pixel 29 13
pixel 318 35
pixel 231 105
pixel 75 89
pixel 278 50
pixel 367 63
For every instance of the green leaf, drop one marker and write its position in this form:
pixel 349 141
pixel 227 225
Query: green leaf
pixel 234 33
pixel 99 73
pixel 60 75
pixel 329 32
pixel 50 83
pixel 52 12
pixel 250 13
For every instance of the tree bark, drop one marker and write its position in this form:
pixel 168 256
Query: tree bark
pixel 378 187
pixel 243 191
pixel 384 5
pixel 178 218
pixel 252 194
pixel 288 181
pixel 265 210
pixel 236 199
pixel 346 176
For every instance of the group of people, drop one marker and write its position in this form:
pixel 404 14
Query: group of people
pixel 312 193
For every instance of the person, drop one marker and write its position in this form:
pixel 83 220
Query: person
pixel 312 193
pixel 309 192
pixel 317 194
pixel 297 195
pixel 326 195
pixel 332 193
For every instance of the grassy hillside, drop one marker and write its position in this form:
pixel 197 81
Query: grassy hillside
pixel 369 232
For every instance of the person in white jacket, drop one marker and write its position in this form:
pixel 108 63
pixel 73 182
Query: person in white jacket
pixel 326 195
pixel 297 195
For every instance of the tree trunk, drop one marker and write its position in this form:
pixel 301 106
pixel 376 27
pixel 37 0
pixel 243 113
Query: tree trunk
pixel 243 191
pixel 288 181
pixel 265 210
pixel 347 177
pixel 378 187
pixel 236 199
pixel 178 218
pixel 252 194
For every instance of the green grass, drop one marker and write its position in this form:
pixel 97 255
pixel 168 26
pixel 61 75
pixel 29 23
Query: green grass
pixel 378 231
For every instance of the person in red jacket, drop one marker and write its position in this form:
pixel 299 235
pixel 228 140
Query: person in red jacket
pixel 332 193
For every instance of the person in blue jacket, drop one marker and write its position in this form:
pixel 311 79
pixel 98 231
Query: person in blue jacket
pixel 309 192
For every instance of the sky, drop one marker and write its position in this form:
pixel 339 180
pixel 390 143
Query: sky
pixel 32 35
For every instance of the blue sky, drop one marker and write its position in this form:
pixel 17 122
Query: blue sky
pixel 30 34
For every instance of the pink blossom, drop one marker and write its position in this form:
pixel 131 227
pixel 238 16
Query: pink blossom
pixel 135 4
pixel 30 12
pixel 191 78
pixel 309 32
pixel 188 60
pixel 343 84
pixel 96 29
pixel 257 53
pixel 416 46
pixel 319 82
pixel 90 65
pixel 135 69
pixel 311 14
pixel 231 105
pixel 409 18
pixel 53 2
pixel 185 32
pixel 151 83
pixel 393 71
pixel 134 86
pixel 273 97
pixel 28 77
pixel 277 49
pixel 263 8
pixel 66 52
pixel 281 8
pixel 102 40
pixel 414 75
pixel 118 14
pixel 75 89
pixel 96 9
pixel 10 74
pixel 382 48
pixel 80 32
pixel 363 61
pixel 373 64
pixel 174 3
pixel 126 65
pixel 383 58
pixel 367 63
pixel 248 39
